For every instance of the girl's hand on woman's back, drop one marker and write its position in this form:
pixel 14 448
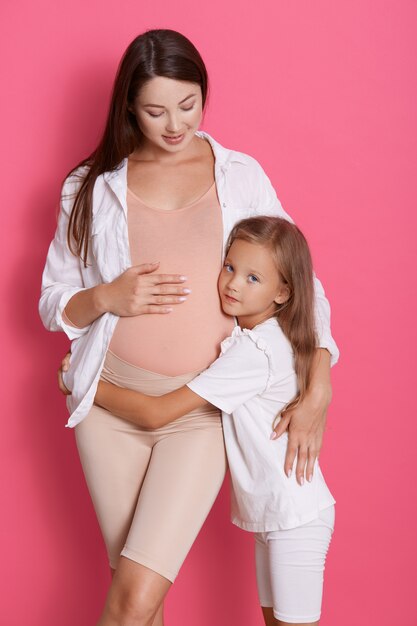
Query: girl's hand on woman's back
pixel 140 291
pixel 64 368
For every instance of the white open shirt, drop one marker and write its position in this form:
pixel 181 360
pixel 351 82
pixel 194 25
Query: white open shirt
pixel 243 189
pixel 251 381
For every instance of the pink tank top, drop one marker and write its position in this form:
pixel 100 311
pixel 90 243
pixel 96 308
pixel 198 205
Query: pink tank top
pixel 186 241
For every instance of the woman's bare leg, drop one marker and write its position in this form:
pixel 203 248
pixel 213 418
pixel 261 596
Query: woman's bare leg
pixel 159 617
pixel 135 596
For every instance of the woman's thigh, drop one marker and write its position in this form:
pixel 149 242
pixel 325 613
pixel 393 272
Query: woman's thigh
pixel 114 460
pixel 182 481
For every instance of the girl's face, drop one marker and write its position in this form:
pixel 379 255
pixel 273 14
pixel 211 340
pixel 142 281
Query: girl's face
pixel 249 284
pixel 168 112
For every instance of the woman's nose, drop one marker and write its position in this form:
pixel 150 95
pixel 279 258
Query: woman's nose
pixel 173 123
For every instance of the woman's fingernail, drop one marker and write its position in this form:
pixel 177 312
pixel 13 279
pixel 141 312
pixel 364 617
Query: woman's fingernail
pixel 182 299
pixel 186 291
pixel 273 435
pixel 310 478
pixel 183 278
pixel 289 473
pixel 301 480
pixel 168 310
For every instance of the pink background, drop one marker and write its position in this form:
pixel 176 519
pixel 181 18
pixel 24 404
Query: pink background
pixel 323 94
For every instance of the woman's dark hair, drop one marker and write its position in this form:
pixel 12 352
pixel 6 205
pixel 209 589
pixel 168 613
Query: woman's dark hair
pixel 158 52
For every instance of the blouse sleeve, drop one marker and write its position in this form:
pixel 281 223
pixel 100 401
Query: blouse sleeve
pixel 62 276
pixel 239 374
pixel 267 203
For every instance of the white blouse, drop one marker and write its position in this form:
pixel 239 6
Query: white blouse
pixel 243 189
pixel 251 382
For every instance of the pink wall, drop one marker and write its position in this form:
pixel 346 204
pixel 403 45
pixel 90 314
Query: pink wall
pixel 324 94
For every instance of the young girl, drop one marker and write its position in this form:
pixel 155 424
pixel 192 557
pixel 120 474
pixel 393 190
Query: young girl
pixel 264 369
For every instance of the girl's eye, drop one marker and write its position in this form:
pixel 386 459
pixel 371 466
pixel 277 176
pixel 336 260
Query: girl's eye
pixel 228 267
pixel 253 279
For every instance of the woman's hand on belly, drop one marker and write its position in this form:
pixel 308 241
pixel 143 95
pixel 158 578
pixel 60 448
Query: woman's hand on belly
pixel 140 291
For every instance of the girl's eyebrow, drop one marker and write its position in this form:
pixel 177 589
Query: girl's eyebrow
pixel 257 272
pixel 159 106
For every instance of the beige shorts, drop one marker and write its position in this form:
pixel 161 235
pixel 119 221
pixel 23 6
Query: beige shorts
pixel 151 489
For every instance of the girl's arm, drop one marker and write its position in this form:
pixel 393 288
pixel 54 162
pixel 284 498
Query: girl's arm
pixel 147 411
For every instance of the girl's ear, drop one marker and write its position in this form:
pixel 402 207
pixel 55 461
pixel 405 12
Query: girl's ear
pixel 282 295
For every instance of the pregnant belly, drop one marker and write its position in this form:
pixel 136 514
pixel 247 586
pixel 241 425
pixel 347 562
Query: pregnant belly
pixel 185 340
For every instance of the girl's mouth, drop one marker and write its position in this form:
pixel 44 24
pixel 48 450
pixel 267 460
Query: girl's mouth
pixel 230 299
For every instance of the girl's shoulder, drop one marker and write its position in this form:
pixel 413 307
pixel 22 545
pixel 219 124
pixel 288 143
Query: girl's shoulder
pixel 267 337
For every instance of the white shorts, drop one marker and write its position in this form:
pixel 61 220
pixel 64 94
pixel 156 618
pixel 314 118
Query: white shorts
pixel 290 566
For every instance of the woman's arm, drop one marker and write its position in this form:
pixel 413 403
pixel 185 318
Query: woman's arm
pixel 307 421
pixel 136 291
pixel 266 202
pixel 147 411
pixel 66 304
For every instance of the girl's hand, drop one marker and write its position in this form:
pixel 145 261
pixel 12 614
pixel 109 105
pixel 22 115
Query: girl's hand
pixel 139 291
pixel 64 368
pixel 99 392
pixel 306 424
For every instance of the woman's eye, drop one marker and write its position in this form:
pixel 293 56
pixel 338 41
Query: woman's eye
pixel 154 114
pixel 189 109
pixel 228 267
pixel 253 279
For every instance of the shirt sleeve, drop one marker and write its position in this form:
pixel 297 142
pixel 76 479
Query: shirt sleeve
pixel 238 375
pixel 62 277
pixel 267 203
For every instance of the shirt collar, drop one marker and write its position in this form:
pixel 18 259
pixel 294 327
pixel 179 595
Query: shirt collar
pixel 117 178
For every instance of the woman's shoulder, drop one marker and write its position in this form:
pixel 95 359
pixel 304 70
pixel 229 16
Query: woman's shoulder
pixel 228 156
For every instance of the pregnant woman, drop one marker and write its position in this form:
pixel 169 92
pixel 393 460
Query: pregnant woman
pixel 131 278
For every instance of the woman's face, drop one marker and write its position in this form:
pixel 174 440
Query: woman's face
pixel 168 112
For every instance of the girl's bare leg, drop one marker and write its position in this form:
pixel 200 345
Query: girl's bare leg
pixel 270 620
pixel 135 596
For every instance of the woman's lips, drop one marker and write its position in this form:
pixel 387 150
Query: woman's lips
pixel 173 139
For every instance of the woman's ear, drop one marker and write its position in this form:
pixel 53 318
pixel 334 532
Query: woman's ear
pixel 283 294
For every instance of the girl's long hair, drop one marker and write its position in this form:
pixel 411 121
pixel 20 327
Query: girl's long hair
pixel 158 52
pixel 295 269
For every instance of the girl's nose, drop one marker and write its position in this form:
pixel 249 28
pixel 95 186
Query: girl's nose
pixel 232 284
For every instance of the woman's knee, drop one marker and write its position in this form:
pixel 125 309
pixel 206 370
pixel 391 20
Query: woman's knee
pixel 131 607
pixel 136 594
